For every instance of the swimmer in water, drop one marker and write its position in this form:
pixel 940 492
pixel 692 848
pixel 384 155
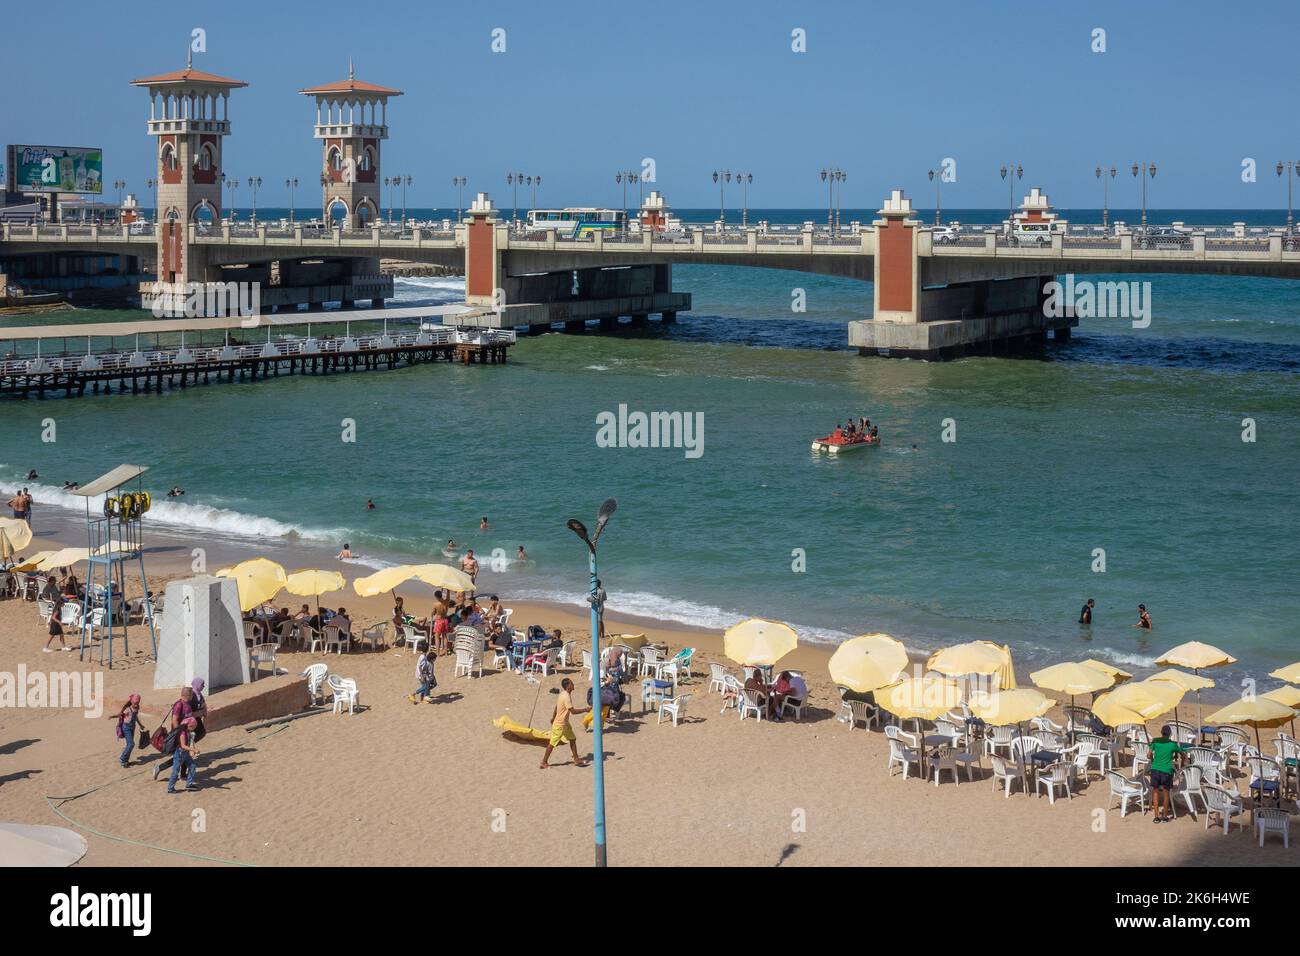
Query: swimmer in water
pixel 346 552
pixel 1144 619
pixel 483 524
pixel 370 504
pixel 450 550
pixel 1085 613
pixel 519 555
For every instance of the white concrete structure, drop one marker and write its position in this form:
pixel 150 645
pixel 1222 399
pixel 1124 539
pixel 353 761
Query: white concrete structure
pixel 202 634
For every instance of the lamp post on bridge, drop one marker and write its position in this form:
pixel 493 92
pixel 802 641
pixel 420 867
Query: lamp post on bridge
pixel 515 180
pixel 291 185
pixel 388 184
pixel 1101 173
pixel 1011 173
pixel 625 178
pixel 830 176
pixel 406 181
pixel 232 183
pixel 1138 169
pixel 534 182
pixel 937 202
pixel 722 177
pixel 153 185
pixel 324 207
pixel 598 750
pixel 1287 168
pixel 254 183
pixel 743 180
pixel 459 183
pixel 119 185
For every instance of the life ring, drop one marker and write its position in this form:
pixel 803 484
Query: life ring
pixel 148 501
pixel 125 507
pixel 110 507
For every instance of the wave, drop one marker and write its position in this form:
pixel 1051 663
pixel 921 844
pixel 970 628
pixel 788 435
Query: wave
pixel 1127 657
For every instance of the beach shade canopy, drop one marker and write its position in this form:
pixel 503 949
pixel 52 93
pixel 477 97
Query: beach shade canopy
pixel 436 575
pixel 1119 675
pixel 1290 673
pixel 1286 696
pixel 313 583
pixel 15 534
pixel 23 844
pixel 259 580
pixel 1183 679
pixel 633 641
pixel 1195 655
pixel 1137 703
pixel 868 662
pixel 757 641
pixel 1072 679
pixel 977 657
pixel 920 698
pixel 1006 707
pixel 32 562
pixel 1256 711
pixel 63 558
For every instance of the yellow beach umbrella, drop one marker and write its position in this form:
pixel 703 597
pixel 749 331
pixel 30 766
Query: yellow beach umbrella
pixel 63 558
pixel 259 580
pixel 1138 702
pixel 633 641
pixel 868 662
pixel 1197 656
pixel 1290 673
pixel 313 583
pixel 1119 675
pixel 1183 679
pixel 32 562
pixel 444 576
pixel 1004 708
pixel 757 641
pixel 1072 679
pixel 437 575
pixel 1287 697
pixel 977 657
pixel 920 698
pixel 1256 711
pixel 15 534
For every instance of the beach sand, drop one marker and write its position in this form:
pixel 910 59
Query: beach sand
pixel 436 783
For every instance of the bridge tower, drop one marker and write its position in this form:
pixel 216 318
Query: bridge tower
pixel 189 115
pixel 351 123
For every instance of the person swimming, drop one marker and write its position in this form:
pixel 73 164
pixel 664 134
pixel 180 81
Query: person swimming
pixel 450 550
pixel 370 504
pixel 346 552
pixel 1144 619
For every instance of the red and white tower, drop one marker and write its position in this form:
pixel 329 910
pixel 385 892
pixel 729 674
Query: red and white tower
pixel 189 115
pixel 351 122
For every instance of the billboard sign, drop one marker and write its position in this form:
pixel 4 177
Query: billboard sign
pixel 56 169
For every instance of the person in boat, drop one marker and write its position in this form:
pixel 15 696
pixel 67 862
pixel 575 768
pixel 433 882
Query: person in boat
pixel 875 432
pixel 838 434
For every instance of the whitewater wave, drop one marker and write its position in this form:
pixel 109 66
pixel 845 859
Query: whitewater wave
pixel 597 368
pixel 1127 657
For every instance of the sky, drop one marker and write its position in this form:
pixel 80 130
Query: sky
pixel 884 91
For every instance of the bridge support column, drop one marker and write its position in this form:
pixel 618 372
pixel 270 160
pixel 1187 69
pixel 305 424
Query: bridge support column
pixel 484 236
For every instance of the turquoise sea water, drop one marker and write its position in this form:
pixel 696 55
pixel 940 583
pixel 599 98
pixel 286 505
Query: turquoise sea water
pixel 1125 440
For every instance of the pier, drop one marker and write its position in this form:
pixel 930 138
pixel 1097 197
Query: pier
pixel 180 365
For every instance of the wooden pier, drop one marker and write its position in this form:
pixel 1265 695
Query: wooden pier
pixel 153 369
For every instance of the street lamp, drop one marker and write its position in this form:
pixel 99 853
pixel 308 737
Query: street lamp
pixel 830 176
pixel 153 185
pixel 324 200
pixel 625 178
pixel 516 180
pixel 1101 172
pixel 459 183
pixel 722 177
pixel 120 184
pixel 936 195
pixel 406 181
pixel 388 184
pixel 598 794
pixel 291 185
pixel 1011 173
pixel 744 179
pixel 232 184
pixel 1138 169
pixel 1288 167
pixel 254 182
pixel 534 182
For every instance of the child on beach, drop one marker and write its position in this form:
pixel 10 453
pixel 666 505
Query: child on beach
pixel 127 719
pixel 56 625
pixel 424 672
pixel 183 760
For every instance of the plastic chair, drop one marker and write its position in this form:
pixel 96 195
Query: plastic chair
pixel 1224 803
pixel 1124 789
pixel 1056 775
pixel 375 635
pixel 1188 783
pixel 674 706
pixel 315 674
pixel 345 692
pixel 900 754
pixel 717 678
pixel 1008 773
pixel 944 759
pixel 751 702
pixel 1273 820
pixel 467 661
pixel 259 654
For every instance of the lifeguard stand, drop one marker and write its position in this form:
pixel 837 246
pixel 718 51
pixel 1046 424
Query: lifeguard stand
pixel 114 538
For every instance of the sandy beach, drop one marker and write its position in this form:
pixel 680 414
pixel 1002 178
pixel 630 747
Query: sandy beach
pixel 355 790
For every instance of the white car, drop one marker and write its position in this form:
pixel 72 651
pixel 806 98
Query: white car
pixel 942 235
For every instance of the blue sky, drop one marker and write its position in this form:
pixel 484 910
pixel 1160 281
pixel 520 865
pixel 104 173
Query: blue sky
pixel 885 91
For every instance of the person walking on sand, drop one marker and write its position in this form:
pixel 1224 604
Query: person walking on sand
pixel 127 719
pixel 1144 619
pixel 56 624
pixel 183 759
pixel 560 728
pixel 424 672
pixel 1085 613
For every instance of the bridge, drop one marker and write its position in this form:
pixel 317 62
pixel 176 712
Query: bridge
pixel 936 292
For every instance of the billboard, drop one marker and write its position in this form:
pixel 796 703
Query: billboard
pixel 56 169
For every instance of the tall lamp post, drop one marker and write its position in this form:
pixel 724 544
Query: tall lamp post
pixel 153 185
pixel 459 183
pixel 232 184
pixel 120 184
pixel 1287 168
pixel 626 177
pixel 598 776
pixel 1011 173
pixel 254 183
pixel 830 176
pixel 534 182
pixel 406 181
pixel 291 185
pixel 722 177
pixel 1101 173
pixel 1138 169
pixel 388 185
pixel 324 201
pixel 516 180
pixel 937 202
pixel 744 179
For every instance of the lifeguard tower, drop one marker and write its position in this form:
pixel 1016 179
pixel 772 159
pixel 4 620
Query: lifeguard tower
pixel 115 538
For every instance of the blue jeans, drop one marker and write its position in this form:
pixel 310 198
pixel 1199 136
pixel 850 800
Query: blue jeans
pixel 130 746
pixel 181 763
pixel 425 687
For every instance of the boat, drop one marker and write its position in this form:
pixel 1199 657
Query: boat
pixel 837 442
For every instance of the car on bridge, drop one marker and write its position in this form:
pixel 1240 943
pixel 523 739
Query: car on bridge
pixel 1164 237
pixel 943 235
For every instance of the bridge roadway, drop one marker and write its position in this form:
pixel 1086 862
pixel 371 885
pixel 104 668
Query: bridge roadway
pixel 979 253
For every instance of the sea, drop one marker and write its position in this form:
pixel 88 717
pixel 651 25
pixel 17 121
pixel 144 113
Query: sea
pixel 1150 465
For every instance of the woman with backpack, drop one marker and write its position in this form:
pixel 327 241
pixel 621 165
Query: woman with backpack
pixel 127 719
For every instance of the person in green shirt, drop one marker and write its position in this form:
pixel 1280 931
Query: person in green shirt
pixel 1163 750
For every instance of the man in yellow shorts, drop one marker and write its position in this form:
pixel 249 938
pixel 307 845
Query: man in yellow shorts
pixel 560 729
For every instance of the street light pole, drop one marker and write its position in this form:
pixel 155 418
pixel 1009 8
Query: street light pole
pixel 722 177
pixel 1139 169
pixel 743 180
pixel 153 186
pixel 840 175
pixel 936 195
pixel 1011 173
pixel 1288 168
pixel 1101 172
pixel 291 185
pixel 597 723
pixel 406 181
pixel 253 183
pixel 459 182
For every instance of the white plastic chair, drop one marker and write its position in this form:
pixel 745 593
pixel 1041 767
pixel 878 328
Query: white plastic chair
pixel 310 636
pixel 943 759
pixel 1188 783
pixel 567 651
pixel 1232 744
pixel 336 637
pixel 1265 777
pixel 315 674
pixel 1124 789
pixel 545 663
pixel 750 703
pixel 794 705
pixel 731 691
pixel 1099 752
pixel 717 678
pixel 1022 748
pixel 70 615
pixel 413 638
pixel 375 635
pixel 899 753
pixel 260 654
pixel 1272 820
pixel 674 706
pixel 467 661
pixel 1008 773
pixel 286 631
pixel 586 664
pixel 46 610
pixel 500 658
pixel 1184 733
pixel 1056 775
pixel 1141 756
pixel 345 692
pixel 999 738
pixel 1223 803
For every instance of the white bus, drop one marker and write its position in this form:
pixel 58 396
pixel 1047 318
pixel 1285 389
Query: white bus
pixel 576 222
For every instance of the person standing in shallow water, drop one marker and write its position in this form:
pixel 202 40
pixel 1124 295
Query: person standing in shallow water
pixel 1085 613
pixel 1144 619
